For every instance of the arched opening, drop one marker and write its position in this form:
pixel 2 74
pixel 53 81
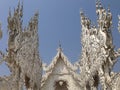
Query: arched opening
pixel 61 85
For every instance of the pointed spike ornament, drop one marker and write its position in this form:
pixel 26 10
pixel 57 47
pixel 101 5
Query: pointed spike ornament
pixel 21 10
pixel 9 12
pixel 59 48
pixel 119 23
pixel 0 31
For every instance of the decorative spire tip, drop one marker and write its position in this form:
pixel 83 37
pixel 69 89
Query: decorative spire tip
pixel 60 47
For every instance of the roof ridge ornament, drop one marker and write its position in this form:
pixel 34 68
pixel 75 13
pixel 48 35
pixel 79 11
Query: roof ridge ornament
pixel 60 48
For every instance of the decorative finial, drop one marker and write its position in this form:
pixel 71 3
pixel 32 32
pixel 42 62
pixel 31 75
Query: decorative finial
pixel 0 31
pixel 18 4
pixel 108 8
pixel 119 23
pixel 97 4
pixel 60 47
pixel 21 9
pixel 81 11
pixel 10 12
pixel 59 44
pixel 119 17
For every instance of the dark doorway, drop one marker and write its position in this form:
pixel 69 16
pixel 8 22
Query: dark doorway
pixel 61 85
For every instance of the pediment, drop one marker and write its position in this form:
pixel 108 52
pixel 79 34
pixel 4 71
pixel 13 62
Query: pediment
pixel 60 67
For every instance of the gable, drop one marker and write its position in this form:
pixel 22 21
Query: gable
pixel 60 67
pixel 59 70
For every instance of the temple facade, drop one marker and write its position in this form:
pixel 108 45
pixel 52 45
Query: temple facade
pixel 60 74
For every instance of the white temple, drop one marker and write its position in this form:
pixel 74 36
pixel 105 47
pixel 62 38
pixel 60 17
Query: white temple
pixel 98 56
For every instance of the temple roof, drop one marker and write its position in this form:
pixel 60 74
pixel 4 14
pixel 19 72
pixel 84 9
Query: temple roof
pixel 59 56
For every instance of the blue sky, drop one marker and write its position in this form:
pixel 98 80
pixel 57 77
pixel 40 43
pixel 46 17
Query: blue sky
pixel 59 20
